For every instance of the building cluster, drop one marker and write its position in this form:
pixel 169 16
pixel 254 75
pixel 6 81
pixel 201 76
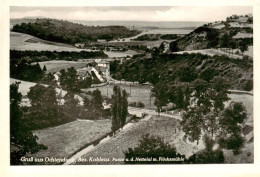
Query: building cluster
pixel 100 68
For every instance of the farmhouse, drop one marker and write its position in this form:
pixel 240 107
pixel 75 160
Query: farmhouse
pixel 88 72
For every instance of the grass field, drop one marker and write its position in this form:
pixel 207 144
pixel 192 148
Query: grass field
pixel 138 93
pixel 57 65
pixel 65 139
pixel 243 35
pixel 18 42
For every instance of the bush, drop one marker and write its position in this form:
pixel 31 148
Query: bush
pixel 140 104
pixel 133 104
pixel 153 149
pixel 248 86
pixel 207 157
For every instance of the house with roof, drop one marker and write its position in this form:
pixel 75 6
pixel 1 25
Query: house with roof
pixel 103 67
pixel 88 72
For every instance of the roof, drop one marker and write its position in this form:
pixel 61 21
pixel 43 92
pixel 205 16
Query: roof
pixel 103 62
pixel 84 95
pixel 102 69
pixel 84 71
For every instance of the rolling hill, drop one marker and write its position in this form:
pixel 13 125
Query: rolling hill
pixel 71 33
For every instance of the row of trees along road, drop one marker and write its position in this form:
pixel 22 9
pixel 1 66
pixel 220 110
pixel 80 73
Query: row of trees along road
pixel 119 108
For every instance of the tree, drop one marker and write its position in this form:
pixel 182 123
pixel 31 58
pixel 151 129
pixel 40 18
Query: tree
pixel 161 98
pixel 192 123
pixel 208 155
pixel 231 122
pixel 71 105
pixel 44 110
pixel 207 102
pixel 97 99
pixel 179 95
pixel 119 108
pixel 154 148
pixel 124 108
pixel 49 79
pixel 22 141
pixel 208 74
pixel 44 68
pixel 212 37
pixel 69 80
pixel 174 46
pixel 187 74
pixel 243 46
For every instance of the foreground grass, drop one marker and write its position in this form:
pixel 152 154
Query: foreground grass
pixel 64 140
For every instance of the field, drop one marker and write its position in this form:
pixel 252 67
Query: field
pixel 212 52
pixel 112 54
pixel 138 93
pixel 57 65
pixel 65 139
pixel 18 41
pixel 243 35
pixel 167 128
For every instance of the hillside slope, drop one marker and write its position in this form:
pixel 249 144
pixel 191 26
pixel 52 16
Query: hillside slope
pixel 170 69
pixel 71 33
pixel 220 35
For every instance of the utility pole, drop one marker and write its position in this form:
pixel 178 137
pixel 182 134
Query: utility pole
pixel 150 98
pixel 107 91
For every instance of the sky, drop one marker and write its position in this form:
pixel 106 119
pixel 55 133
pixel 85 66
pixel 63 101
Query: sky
pixel 132 13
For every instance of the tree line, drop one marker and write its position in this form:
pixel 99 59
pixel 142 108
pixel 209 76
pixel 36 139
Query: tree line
pixel 38 56
pixel 166 70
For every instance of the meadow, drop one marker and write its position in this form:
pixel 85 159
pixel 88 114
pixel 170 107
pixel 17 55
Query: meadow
pixel 19 41
pixel 57 65
pixel 66 139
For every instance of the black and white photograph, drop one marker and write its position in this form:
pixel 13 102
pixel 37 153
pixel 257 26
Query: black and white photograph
pixel 131 85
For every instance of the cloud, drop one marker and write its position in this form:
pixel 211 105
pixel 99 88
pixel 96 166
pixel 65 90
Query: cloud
pixel 134 13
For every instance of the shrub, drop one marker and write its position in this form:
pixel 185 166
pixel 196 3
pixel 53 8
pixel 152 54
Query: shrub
pixel 248 86
pixel 155 149
pixel 140 104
